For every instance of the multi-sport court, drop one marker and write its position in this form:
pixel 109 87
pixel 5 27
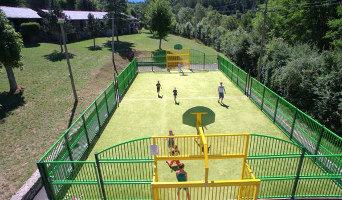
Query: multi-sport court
pixel 253 152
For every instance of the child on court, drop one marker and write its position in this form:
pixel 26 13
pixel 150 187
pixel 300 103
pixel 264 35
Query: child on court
pixel 182 176
pixel 158 85
pixel 171 141
pixel 174 164
pixel 175 93
pixel 221 92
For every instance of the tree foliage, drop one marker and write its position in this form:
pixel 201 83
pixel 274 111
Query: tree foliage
pixel 159 16
pixel 10 50
pixel 93 27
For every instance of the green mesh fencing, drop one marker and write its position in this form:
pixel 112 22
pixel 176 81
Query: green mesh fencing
pixel 297 125
pixel 75 142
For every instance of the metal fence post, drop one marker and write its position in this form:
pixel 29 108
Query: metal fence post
pixel 204 62
pixel 246 84
pixel 299 168
pixel 98 167
pixel 293 124
pixel 263 97
pixel 237 77
pixel 97 114
pixel 45 178
pixel 276 109
pixel 85 130
pixel 106 103
pixel 319 140
pixel 250 85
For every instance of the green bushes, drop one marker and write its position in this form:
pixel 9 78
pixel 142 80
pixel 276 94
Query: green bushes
pixel 30 32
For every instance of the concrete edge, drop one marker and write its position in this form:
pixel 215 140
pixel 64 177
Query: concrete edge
pixel 30 189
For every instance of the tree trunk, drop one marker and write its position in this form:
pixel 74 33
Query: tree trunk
pixel 117 36
pixel 11 79
pixel 160 41
pixel 94 42
pixel 61 44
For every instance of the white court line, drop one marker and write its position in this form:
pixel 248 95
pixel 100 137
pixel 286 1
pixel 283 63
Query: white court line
pixel 185 98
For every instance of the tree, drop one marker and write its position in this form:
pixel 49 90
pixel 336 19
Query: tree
pixel 160 18
pixel 51 26
pixel 116 8
pixel 12 2
pixel 87 5
pixel 93 27
pixel 335 32
pixel 10 49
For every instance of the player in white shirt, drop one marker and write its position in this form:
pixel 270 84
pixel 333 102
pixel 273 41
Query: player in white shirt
pixel 221 92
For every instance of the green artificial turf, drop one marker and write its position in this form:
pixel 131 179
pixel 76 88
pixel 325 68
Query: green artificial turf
pixel 142 113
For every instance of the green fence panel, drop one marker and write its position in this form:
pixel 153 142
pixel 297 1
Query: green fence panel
pixel 92 124
pixel 273 188
pixel 102 109
pixel 317 187
pixel 127 170
pixel 76 179
pixel 256 92
pixel 285 116
pixel 267 145
pixel 134 149
pixel 269 104
pixel 330 143
pixel 130 190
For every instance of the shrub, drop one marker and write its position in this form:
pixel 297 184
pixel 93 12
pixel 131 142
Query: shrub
pixel 30 31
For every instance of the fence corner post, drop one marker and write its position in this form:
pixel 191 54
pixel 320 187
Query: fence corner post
pixel 45 179
pixel 98 167
pixel 299 168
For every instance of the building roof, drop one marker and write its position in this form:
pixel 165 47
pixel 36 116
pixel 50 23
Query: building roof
pixel 19 13
pixel 83 15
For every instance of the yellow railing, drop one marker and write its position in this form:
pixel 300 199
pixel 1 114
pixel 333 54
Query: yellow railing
pixel 173 58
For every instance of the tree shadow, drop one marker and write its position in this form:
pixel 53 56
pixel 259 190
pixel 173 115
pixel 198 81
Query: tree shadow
pixel 58 56
pixel 31 45
pixel 96 48
pixel 73 110
pixel 124 49
pixel 9 102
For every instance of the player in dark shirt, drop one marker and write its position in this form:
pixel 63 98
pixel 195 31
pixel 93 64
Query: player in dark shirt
pixel 158 88
pixel 175 92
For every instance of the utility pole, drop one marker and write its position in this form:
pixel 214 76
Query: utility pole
pixel 61 22
pixel 263 40
pixel 113 49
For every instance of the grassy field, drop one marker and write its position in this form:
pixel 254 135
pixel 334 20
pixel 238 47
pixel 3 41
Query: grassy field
pixel 34 122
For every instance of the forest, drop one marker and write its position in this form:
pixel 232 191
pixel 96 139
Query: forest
pixel 293 46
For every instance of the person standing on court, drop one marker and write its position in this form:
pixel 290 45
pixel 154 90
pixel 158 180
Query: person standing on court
pixel 221 92
pixel 158 89
pixel 175 93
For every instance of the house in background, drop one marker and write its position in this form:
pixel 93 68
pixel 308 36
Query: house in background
pixel 20 15
pixel 78 19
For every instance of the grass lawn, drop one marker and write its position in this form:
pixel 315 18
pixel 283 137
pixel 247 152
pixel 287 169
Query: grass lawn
pixel 31 127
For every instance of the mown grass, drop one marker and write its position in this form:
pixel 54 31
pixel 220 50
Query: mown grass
pixel 29 129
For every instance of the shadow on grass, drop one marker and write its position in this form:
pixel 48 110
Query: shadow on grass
pixel 10 102
pixel 124 49
pixel 57 56
pixel 31 45
pixel 94 48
